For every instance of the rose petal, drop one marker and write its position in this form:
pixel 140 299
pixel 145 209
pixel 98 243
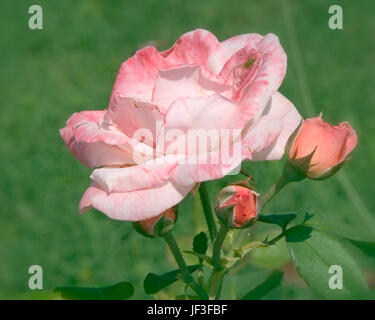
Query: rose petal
pixel 241 69
pixel 202 118
pixel 134 206
pixel 186 81
pixel 261 135
pixel 255 91
pixel 92 145
pixel 214 112
pixel 196 47
pixel 351 140
pixel 144 176
pixel 232 45
pixel 137 75
pixel 133 117
pixel 280 107
pixel 209 166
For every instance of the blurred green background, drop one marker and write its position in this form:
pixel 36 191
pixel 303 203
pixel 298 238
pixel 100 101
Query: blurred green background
pixel 70 66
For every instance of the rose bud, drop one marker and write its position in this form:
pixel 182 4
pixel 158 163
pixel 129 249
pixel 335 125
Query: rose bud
pixel 317 149
pixel 156 226
pixel 236 206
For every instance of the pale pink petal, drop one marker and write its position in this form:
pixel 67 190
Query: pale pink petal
pixel 255 90
pixel 232 45
pixel 196 47
pixel 203 118
pixel 262 133
pixel 185 81
pixel 137 205
pixel 209 166
pixel 92 145
pixel 131 115
pixel 137 75
pixel 214 112
pixel 275 62
pixel 281 108
pixel 241 69
pixel 144 176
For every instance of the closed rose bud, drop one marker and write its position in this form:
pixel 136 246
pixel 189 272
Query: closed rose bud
pixel 323 146
pixel 236 206
pixel 157 226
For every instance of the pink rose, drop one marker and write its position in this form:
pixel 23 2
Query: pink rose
pixel 159 99
pixel 236 206
pixel 331 146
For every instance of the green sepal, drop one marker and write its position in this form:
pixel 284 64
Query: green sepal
pixel 162 226
pixel 297 169
pixel 292 138
pixel 140 230
pixel 225 215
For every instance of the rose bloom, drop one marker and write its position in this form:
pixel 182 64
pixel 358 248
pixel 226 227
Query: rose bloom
pixel 331 146
pixel 244 203
pixel 197 84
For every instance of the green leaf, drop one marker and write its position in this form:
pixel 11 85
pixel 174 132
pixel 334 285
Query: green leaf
pixel 200 243
pixel 325 223
pixel 314 252
pixel 367 247
pixel 118 291
pixel 270 283
pixel 236 285
pixel 153 283
pixel 281 219
pixel 187 297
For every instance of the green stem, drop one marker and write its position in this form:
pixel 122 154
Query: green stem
pixel 208 212
pixel 275 188
pixel 263 244
pixel 218 272
pixel 197 213
pixel 235 268
pixel 215 283
pixel 188 279
pixel 216 252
